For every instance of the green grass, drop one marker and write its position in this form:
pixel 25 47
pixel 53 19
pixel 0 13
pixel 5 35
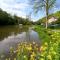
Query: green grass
pixel 51 37
pixel 44 36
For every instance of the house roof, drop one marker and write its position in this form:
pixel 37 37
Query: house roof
pixel 52 19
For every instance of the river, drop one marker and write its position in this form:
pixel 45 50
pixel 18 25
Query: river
pixel 12 35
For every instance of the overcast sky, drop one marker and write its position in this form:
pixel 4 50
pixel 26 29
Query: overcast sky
pixel 22 8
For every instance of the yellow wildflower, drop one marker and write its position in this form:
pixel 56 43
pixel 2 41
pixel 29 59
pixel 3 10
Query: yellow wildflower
pixel 43 48
pixel 9 58
pixel 41 59
pixel 14 58
pixel 49 57
pixel 29 48
pixel 32 56
pixel 24 56
pixel 33 53
pixel 53 52
pixel 46 44
pixel 6 59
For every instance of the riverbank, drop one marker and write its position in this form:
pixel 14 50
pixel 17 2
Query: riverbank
pixel 50 38
pixel 44 36
pixel 12 36
pixel 49 49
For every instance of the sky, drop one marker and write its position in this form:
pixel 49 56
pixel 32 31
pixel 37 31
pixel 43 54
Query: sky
pixel 22 8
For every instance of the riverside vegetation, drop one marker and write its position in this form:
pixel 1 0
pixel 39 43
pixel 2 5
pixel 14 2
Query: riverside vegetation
pixel 49 49
pixel 8 19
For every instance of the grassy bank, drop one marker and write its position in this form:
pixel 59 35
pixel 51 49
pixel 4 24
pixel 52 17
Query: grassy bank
pixel 44 36
pixel 50 38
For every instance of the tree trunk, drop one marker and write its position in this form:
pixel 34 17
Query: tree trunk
pixel 47 14
pixel 46 20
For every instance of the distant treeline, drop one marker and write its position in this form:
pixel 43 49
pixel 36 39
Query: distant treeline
pixel 56 15
pixel 8 19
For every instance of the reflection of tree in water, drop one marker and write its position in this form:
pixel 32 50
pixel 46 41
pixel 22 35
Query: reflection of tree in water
pixel 28 35
pixel 11 30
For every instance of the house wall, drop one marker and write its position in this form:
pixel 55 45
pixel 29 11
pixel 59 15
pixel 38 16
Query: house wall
pixel 52 20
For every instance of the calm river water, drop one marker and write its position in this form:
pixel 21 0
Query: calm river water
pixel 12 35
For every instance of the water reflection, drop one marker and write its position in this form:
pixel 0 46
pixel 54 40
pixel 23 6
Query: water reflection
pixel 32 36
pixel 10 30
pixel 12 35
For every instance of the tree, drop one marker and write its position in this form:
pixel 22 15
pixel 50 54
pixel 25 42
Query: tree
pixel 8 19
pixel 40 4
pixel 58 21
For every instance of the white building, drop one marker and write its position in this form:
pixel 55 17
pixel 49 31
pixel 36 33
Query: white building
pixel 53 19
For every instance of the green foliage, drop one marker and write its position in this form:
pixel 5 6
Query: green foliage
pixel 40 4
pixel 43 4
pixel 56 14
pixel 42 33
pixel 58 21
pixel 7 19
pixel 50 49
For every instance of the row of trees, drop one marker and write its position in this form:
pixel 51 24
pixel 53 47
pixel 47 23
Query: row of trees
pixel 56 15
pixel 7 19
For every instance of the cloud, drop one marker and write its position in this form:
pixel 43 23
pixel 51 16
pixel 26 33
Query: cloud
pixel 21 8
pixel 17 7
